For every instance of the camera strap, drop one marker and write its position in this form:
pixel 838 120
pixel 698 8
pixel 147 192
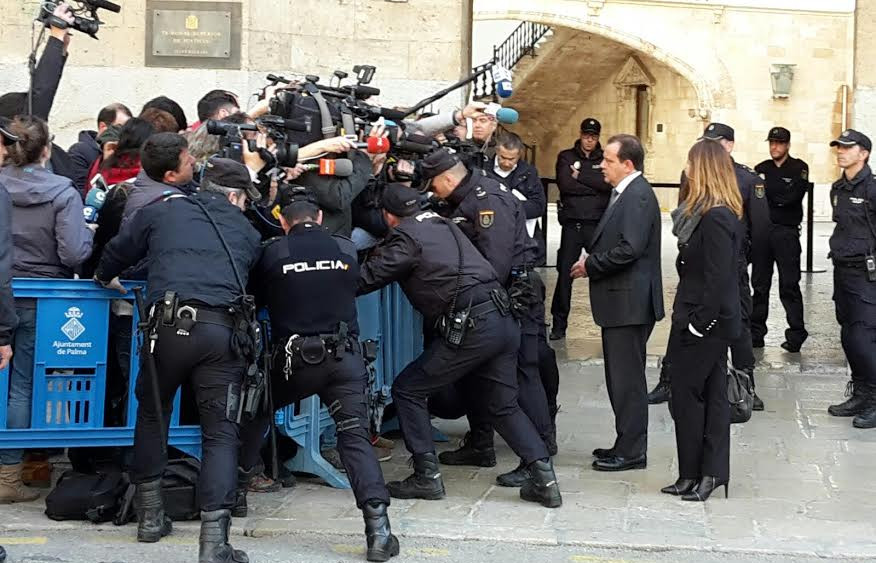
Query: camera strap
pixel 325 116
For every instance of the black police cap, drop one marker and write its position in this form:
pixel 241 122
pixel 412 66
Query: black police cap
pixel 716 131
pixel 290 194
pixel 437 163
pixel 5 133
pixel 779 134
pixel 851 137
pixel 591 125
pixel 400 200
pixel 230 174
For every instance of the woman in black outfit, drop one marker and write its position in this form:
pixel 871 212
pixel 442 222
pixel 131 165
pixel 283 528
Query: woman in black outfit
pixel 705 318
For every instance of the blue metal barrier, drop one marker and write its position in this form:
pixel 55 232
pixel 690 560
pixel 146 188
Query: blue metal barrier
pixel 70 364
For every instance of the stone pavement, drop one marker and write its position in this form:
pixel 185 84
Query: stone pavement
pixel 801 483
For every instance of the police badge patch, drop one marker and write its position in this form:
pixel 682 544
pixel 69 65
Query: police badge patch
pixel 486 218
pixel 759 191
pixel 804 174
pixel 835 199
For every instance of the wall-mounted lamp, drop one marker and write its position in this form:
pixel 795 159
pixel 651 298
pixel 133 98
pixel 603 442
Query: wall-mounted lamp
pixel 783 77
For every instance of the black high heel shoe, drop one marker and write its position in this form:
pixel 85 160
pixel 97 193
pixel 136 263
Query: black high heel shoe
pixel 705 488
pixel 680 487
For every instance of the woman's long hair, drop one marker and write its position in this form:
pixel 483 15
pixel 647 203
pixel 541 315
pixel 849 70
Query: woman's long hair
pixel 711 180
pixel 132 136
pixel 33 138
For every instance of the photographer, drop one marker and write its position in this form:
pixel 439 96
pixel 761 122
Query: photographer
pixel 50 239
pixel 46 78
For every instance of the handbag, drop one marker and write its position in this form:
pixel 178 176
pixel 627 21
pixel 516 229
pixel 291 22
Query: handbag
pixel 740 395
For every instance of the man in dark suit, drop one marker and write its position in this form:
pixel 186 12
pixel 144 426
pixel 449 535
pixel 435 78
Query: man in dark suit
pixel 626 296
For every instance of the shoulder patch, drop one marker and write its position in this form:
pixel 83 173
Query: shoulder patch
pixel 486 218
pixel 804 174
pixel 759 191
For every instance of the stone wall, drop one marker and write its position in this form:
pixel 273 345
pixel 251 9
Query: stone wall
pixel 418 48
pixel 864 115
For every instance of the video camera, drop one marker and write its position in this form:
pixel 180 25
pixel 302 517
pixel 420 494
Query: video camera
pixel 85 17
pixel 232 139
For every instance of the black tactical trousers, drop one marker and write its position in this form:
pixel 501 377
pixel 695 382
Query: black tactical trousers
pixel 783 250
pixel 489 355
pixel 204 360
pixel 741 349
pixel 576 235
pixel 855 300
pixel 341 386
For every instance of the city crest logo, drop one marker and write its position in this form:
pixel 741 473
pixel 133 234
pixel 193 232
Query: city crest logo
pixel 73 328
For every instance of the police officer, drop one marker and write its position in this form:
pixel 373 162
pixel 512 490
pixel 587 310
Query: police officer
pixel 456 290
pixel 200 250
pixel 756 218
pixel 493 219
pixel 787 180
pixel 308 280
pixel 584 195
pixel 852 249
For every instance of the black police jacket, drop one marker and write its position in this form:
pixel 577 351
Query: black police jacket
pixel 786 186
pixel 584 198
pixel 493 220
pixel 422 254
pixel 707 298
pixel 184 252
pixel 335 194
pixel 308 281
pixel 756 211
pixel 854 204
pixel 8 318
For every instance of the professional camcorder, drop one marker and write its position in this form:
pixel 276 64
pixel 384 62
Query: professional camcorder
pixel 85 17
pixel 232 139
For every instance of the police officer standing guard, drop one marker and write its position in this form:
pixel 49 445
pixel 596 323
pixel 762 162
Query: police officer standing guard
pixel 787 181
pixel 456 290
pixel 200 250
pixel 584 195
pixel 308 280
pixel 853 251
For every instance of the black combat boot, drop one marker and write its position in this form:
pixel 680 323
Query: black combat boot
pixel 476 449
pixel 244 478
pixel 381 543
pixel 758 402
pixel 542 485
pixel 660 393
pixel 152 523
pixel 213 546
pixel 867 417
pixel 425 483
pixel 514 478
pixel 855 404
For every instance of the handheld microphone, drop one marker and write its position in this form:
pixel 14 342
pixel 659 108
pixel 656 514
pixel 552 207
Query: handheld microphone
pixel 375 145
pixel 340 167
pixel 502 81
pixel 507 116
pixel 93 202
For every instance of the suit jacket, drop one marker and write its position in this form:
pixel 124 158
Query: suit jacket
pixel 708 291
pixel 626 286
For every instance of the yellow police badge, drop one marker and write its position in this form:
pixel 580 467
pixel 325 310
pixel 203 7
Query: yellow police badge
pixel 486 218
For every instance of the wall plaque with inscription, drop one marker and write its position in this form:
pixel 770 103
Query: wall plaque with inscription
pixel 185 34
pixel 191 34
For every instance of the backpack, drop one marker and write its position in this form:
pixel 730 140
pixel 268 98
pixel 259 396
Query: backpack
pixel 81 496
pixel 179 488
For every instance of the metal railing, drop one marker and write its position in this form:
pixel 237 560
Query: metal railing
pixel 518 44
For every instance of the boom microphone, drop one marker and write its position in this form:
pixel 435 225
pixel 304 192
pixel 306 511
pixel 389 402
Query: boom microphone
pixel 507 116
pixel 340 167
pixel 105 4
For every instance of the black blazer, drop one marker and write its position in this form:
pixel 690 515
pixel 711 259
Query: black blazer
pixel 708 287
pixel 626 286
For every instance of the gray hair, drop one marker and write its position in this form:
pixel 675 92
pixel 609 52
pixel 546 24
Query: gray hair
pixel 211 186
pixel 510 141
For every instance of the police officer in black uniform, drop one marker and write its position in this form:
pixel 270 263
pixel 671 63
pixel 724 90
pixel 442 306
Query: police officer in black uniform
pixel 756 218
pixel 787 180
pixel 457 291
pixel 853 251
pixel 200 250
pixel 308 280
pixel 493 220
pixel 584 195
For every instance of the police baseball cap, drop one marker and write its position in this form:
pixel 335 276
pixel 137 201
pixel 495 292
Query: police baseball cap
pixel 230 174
pixel 400 200
pixel 5 133
pixel 437 163
pixel 591 125
pixel 290 194
pixel 717 131
pixel 779 134
pixel 851 137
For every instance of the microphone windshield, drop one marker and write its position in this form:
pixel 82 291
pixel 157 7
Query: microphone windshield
pixel 507 116
pixel 343 167
pixel 378 145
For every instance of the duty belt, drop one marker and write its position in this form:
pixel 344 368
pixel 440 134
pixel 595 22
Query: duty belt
pixel 313 350
pixel 856 264
pixel 204 315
